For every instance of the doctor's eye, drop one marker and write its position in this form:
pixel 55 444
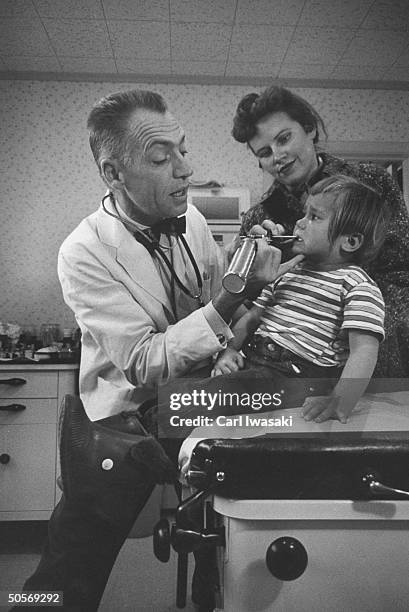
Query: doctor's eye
pixel 161 161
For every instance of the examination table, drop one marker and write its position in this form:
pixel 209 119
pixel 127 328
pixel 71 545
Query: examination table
pixel 301 517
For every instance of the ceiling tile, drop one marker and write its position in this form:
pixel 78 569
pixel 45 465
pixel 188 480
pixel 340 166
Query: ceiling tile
pixel 336 13
pixel 23 37
pixel 388 14
pixel 144 39
pixel 396 73
pixel 260 43
pixel 143 66
pixel 211 11
pixel 253 69
pixel 375 48
pixel 310 45
pixel 69 9
pixel 88 64
pixel 30 63
pixel 403 59
pixel 305 71
pixel 274 12
pixel 347 72
pixel 17 8
pixel 200 41
pixel 155 10
pixel 78 38
pixel 198 68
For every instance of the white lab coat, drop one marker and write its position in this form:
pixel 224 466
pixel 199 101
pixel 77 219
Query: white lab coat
pixel 131 341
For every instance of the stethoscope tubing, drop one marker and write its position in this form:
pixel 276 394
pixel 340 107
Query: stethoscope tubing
pixel 153 246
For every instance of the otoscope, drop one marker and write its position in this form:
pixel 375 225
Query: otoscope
pixel 235 278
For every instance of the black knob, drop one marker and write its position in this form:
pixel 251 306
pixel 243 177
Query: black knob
pixel 286 558
pixel 161 541
pixel 185 540
pixel 4 458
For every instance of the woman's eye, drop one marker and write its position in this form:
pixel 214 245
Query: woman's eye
pixel 183 153
pixel 284 138
pixel 265 153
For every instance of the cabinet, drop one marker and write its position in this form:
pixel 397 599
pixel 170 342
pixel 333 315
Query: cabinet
pixel 30 398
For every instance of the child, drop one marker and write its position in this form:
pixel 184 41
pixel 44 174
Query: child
pixel 323 319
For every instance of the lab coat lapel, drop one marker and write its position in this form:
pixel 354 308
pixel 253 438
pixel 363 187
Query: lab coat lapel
pixel 133 257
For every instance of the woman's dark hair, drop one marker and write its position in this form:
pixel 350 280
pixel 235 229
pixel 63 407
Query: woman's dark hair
pixel 108 121
pixel 358 209
pixel 254 107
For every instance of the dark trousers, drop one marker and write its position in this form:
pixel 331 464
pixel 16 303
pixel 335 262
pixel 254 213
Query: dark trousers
pixel 269 368
pixel 79 553
pixel 99 507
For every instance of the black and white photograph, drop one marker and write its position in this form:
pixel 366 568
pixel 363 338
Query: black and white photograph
pixel 204 305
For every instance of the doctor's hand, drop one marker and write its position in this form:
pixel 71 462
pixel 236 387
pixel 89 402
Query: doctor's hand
pixel 267 267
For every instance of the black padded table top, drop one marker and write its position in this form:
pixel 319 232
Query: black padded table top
pixel 307 460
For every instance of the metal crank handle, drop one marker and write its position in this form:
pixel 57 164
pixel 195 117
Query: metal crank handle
pixel 377 488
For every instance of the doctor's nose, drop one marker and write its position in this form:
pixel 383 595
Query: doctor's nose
pixel 182 169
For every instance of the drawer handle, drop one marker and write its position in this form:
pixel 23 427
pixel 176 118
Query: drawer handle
pixel 13 408
pixel 13 382
pixel 4 458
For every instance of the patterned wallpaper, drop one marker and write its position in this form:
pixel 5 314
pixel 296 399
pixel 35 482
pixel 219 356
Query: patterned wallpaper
pixel 49 181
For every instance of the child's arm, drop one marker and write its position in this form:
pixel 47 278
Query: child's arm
pixel 231 360
pixel 354 380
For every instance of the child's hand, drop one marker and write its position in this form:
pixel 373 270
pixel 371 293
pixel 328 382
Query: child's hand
pixel 227 362
pixel 324 407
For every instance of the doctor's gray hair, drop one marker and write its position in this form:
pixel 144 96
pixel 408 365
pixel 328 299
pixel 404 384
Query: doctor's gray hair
pixel 108 122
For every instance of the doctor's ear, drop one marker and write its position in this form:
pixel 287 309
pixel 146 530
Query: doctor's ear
pixel 352 242
pixel 111 173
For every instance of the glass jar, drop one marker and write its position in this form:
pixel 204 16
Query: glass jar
pixel 50 334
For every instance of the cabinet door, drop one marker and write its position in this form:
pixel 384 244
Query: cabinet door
pixel 27 479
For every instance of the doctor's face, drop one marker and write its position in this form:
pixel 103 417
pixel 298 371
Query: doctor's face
pixel 155 176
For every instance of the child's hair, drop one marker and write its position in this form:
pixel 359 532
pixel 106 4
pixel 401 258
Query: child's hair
pixel 358 209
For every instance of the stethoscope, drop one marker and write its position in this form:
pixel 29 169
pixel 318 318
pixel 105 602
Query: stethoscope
pixel 153 246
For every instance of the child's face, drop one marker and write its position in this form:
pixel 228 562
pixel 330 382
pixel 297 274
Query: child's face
pixel 312 232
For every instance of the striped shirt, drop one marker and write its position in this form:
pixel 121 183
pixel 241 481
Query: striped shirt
pixel 310 312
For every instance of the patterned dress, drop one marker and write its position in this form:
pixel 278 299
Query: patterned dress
pixel 390 269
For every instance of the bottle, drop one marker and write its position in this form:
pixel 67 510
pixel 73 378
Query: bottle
pixel 67 339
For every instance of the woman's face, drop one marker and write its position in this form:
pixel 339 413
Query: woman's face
pixel 284 149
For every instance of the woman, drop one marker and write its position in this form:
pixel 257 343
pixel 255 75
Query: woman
pixel 283 130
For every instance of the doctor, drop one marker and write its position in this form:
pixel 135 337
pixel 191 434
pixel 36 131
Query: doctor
pixel 143 277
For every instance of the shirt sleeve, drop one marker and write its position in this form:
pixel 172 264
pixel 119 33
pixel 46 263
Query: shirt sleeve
pixel 217 324
pixel 364 310
pixel 265 297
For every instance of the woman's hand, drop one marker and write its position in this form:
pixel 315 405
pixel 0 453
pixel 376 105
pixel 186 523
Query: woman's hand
pixel 276 229
pixel 227 362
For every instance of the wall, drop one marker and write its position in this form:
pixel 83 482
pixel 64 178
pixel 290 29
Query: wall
pixel 49 181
